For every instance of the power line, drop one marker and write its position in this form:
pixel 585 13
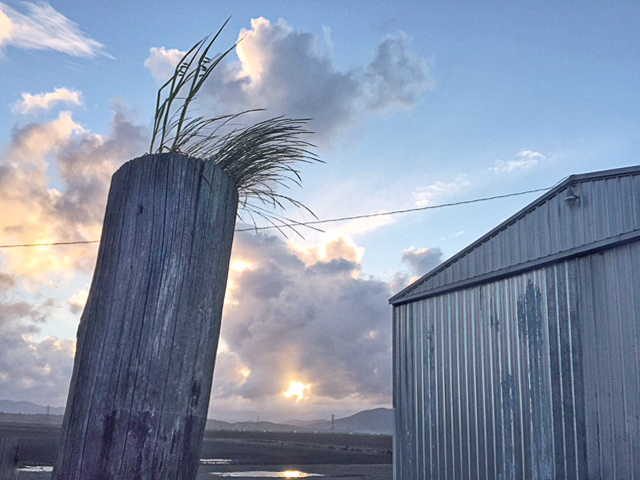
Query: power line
pixel 393 212
pixel 317 222
pixel 49 244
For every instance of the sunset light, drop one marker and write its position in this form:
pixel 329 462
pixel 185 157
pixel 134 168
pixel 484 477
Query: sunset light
pixel 297 389
pixel 239 265
pixel 422 135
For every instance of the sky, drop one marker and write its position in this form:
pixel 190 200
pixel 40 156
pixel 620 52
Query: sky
pixel 412 104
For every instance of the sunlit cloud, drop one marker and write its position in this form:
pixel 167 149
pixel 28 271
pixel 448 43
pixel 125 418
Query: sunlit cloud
pixel 78 300
pixel 437 192
pixel 361 226
pixel 162 62
pixel 332 246
pixel 289 72
pixel 45 101
pixel 239 265
pixel 526 160
pixel 34 212
pixel 302 312
pixel 6 27
pixel 41 27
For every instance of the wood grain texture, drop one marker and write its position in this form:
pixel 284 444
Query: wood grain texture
pixel 148 336
pixel 8 457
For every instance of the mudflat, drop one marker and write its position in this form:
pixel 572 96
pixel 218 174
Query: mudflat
pixel 245 454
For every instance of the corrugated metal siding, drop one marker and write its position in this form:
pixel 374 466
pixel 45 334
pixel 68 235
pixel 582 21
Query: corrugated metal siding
pixel 532 376
pixel 607 207
pixel 610 331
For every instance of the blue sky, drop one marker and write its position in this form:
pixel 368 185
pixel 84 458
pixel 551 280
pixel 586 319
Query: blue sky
pixel 413 105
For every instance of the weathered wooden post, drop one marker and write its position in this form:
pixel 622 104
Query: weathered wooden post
pixel 8 456
pixel 147 339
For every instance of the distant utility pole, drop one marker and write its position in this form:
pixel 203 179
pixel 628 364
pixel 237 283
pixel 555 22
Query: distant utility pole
pixel 333 423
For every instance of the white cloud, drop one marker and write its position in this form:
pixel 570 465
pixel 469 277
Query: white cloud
pixel 38 371
pixel 32 211
pixel 526 159
pixel 303 315
pixel 41 27
pixel 422 260
pixel 285 72
pixel 46 101
pixel 437 191
pixel 396 76
pixel 6 27
pixel 162 62
pixel 282 70
pixel 531 154
pixel 78 300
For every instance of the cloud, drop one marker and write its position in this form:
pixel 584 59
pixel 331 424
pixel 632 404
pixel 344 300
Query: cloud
pixel 46 101
pixel 283 71
pixel 396 76
pixel 41 27
pixel 78 300
pixel 526 159
pixel 162 63
pixel 32 210
pixel 422 260
pixel 304 316
pixel 38 371
pixel 287 72
pixel 6 27
pixel 331 247
pixel 430 194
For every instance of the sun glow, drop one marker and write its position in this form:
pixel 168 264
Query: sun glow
pixel 297 389
pixel 240 265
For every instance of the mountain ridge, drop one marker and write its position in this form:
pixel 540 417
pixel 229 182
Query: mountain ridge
pixel 374 421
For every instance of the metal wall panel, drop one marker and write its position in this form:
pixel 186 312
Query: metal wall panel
pixel 609 307
pixel 532 376
pixel 607 207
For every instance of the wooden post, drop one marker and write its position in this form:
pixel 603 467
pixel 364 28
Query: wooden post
pixel 148 335
pixel 8 457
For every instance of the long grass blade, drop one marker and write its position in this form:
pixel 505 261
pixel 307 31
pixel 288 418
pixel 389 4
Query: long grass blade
pixel 260 158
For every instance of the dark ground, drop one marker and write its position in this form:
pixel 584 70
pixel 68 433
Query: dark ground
pixel 334 455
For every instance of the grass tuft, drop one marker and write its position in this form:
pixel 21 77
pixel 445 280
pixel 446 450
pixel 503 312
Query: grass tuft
pixel 260 158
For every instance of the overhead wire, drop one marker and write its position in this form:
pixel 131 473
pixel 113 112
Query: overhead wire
pixel 318 222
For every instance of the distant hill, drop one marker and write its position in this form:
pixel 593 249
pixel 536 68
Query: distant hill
pixel 28 408
pixel 376 421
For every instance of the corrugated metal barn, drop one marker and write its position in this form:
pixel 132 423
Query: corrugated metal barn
pixel 519 357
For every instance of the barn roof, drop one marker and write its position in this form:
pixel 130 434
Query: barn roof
pixel 583 213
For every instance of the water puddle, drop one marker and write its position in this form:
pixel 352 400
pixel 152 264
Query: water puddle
pixel 36 469
pixel 263 474
pixel 49 468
